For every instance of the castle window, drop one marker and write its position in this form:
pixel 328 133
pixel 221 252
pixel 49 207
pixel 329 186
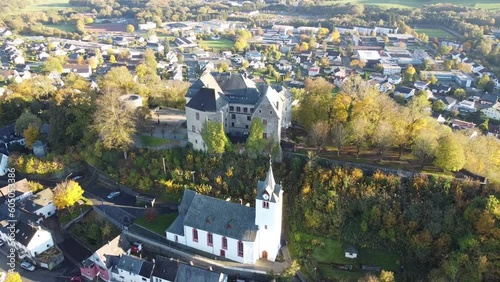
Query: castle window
pixel 233 116
pixel 197 116
pixel 195 235
pixel 265 226
pixel 224 243
pixel 193 128
pixel 238 109
pixel 249 118
pixel 271 112
pixel 264 121
pixel 251 110
pixel 210 239
pixel 245 109
pixel 240 249
pixel 265 204
pixel 231 108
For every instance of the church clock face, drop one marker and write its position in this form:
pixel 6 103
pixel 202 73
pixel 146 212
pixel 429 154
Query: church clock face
pixel 265 196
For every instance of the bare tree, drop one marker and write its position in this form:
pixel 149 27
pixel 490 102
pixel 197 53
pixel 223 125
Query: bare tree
pixel 359 132
pixel 318 135
pixel 340 136
pixel 383 137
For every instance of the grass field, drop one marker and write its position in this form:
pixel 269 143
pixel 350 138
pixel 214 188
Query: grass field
pixel 150 141
pixel 434 32
pixel 44 5
pixel 159 225
pixel 62 27
pixel 485 4
pixel 218 44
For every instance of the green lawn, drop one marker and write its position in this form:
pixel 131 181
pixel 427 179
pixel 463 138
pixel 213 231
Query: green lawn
pixel 151 141
pixel 67 216
pixel 218 44
pixel 485 4
pixel 326 251
pixel 44 5
pixel 159 225
pixel 434 32
pixel 62 27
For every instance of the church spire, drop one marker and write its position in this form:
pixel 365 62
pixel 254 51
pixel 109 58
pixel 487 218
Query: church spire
pixel 269 182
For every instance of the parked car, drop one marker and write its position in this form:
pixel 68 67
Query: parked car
pixel 1 243
pixel 28 266
pixel 136 247
pixel 113 195
pixel 78 177
pixel 76 279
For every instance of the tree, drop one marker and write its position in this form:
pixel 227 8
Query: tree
pixel 444 50
pixel 26 119
pixel 224 67
pixel 114 122
pixel 358 63
pixel 424 146
pixel 438 106
pixel 316 103
pixel 466 68
pixel 340 136
pixel 240 45
pixel 386 276
pixel 130 28
pixel 449 154
pixel 52 64
pixel 214 137
pixel 31 135
pixel 112 59
pixel 150 60
pixel 383 137
pixel 13 277
pixel 409 73
pixel 80 26
pixel 335 36
pixel 66 194
pixel 433 80
pixel 93 62
pixel 255 142
pixel 150 214
pixel 141 70
pixel 483 81
pixel 318 135
pixel 459 93
pixel 324 62
pixel 359 128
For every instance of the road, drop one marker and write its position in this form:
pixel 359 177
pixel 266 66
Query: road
pixel 61 273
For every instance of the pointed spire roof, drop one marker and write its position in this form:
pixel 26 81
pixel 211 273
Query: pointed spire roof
pixel 269 182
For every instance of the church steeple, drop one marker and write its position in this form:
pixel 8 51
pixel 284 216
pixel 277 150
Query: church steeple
pixel 269 182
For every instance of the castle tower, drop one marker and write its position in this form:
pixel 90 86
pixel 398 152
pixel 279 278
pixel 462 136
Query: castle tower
pixel 269 216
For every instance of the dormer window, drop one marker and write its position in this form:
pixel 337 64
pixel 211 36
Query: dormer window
pixel 265 204
pixel 229 226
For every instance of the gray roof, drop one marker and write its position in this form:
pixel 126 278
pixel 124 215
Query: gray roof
pixel 238 88
pixel 195 274
pixel 403 89
pixel 177 227
pixel 205 100
pixel 38 201
pixel 135 265
pixel 448 100
pixel 216 216
pixel 21 187
pixel 269 186
pixel 165 268
pixel 24 232
pixel 492 98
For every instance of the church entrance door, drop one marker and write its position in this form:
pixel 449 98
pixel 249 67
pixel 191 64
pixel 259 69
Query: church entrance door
pixel 264 255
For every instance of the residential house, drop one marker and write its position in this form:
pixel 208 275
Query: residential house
pixel 460 124
pixel 100 263
pixel 157 47
pixel 120 41
pixel 283 66
pixel 40 204
pixel 69 47
pixel 31 240
pixel 440 88
pixel 369 57
pixel 385 87
pixel 489 99
pixel 313 71
pixel 388 69
pixel 8 136
pixel 476 68
pixel 334 56
pixel 229 230
pixel 43 56
pixel 235 100
pixel 445 77
pixel 394 79
pixel 83 70
pixel 421 85
pixel 449 102
pixel 183 42
pixel 378 77
pixel 492 112
pixel 165 270
pixel 466 106
pixel 171 57
pixel 406 92
pixel 18 60
pixel 257 65
pixel 253 56
pixel 153 39
pixel 132 269
pixel 187 272
pixel 19 191
pixel 59 52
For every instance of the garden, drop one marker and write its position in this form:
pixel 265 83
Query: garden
pixel 81 207
pixel 94 231
pixel 156 223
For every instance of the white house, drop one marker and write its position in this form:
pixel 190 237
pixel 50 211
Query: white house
pixel 406 92
pixel 253 56
pixel 492 112
pixel 466 106
pixel 30 240
pixel 40 204
pixel 233 231
pixel 313 71
pixel 388 69
pixel 147 26
pixel 394 79
pixel 132 269
pixel 100 263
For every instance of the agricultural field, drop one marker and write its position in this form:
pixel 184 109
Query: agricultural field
pixel 485 4
pixel 221 44
pixel 44 5
pixel 435 32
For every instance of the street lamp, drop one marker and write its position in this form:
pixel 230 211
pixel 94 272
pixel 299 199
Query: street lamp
pixel 192 173
pixel 66 179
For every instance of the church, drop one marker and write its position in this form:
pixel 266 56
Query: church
pixel 233 231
